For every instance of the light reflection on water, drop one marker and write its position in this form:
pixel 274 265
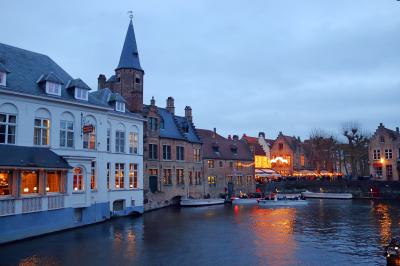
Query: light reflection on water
pixel 325 232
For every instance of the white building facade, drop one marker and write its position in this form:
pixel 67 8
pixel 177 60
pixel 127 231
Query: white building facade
pixel 68 157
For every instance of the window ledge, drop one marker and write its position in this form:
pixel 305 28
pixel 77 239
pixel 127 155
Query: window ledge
pixel 78 192
pixel 7 198
pixel 94 190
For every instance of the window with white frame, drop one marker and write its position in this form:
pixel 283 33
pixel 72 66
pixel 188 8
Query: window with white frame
pixel 42 132
pixel 133 175
pixel 3 78
pixel 66 134
pixel 377 154
pixel 108 139
pixel 119 175
pixel 388 154
pixel 120 107
pixel 78 184
pixel 93 178
pixel 53 88
pixel 89 137
pixel 81 94
pixel 8 128
pixel 119 141
pixel 133 142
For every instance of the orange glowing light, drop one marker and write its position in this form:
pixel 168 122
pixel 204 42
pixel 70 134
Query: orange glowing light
pixel 280 159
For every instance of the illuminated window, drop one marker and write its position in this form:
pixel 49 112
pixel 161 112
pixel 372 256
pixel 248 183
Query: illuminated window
pixel 210 163
pixel 66 134
pixel 89 138
pixel 119 175
pixel 196 155
pixel 198 178
pixel 53 181
pixel 93 178
pixel 133 175
pixel 167 179
pixel 8 126
pixel 78 179
pixel 153 172
pixel 239 180
pixel 29 182
pixel 302 162
pixel 42 132
pixel 212 181
pixel 5 183
pixel 179 177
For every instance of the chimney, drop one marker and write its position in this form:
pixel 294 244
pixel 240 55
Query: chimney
pixel 170 105
pixel 261 135
pixel 214 133
pixel 381 125
pixel 188 113
pixel 101 82
pixel 235 137
pixel 152 101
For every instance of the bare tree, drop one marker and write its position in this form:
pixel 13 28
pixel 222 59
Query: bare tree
pixel 355 149
pixel 321 150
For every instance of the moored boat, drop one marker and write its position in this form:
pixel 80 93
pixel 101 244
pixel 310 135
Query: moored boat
pixel 200 202
pixel 282 202
pixel 326 195
pixel 244 201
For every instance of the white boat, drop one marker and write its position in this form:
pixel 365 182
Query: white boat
pixel 201 202
pixel 240 201
pixel 326 195
pixel 282 202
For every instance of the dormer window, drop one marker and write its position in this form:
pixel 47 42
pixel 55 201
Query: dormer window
pixel 81 94
pixel 53 88
pixel 120 107
pixel 3 77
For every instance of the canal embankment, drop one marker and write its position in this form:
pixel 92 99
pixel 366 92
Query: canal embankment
pixel 359 188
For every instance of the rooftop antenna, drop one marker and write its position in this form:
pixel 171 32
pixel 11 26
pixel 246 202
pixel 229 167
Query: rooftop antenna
pixel 130 13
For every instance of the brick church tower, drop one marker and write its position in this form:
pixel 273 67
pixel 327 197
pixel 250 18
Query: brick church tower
pixel 128 78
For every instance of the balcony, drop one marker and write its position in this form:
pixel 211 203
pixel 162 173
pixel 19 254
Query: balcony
pixel 12 206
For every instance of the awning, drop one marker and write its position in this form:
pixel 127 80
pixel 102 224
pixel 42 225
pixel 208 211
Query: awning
pixel 30 157
pixel 377 164
pixel 266 173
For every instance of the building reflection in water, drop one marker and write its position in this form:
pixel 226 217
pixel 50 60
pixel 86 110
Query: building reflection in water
pixel 273 235
pixel 382 215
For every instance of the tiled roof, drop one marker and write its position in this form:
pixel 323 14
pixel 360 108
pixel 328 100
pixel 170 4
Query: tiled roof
pixel 212 140
pixel 3 68
pixel 253 141
pixel 77 83
pixel 27 68
pixel 20 156
pixel 130 55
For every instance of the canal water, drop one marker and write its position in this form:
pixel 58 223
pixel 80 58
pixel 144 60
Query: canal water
pixel 325 232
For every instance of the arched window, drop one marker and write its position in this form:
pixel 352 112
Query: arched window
pixel 89 133
pixel 8 123
pixel 133 140
pixel 42 127
pixel 78 184
pixel 120 138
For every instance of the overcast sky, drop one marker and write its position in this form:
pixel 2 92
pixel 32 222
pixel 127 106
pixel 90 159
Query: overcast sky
pixel 243 66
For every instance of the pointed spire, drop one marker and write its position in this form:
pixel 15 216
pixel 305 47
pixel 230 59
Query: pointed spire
pixel 130 55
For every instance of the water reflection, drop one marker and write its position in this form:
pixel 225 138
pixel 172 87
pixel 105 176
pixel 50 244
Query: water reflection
pixel 384 221
pixel 273 235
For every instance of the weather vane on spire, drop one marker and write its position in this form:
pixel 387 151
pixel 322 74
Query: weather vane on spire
pixel 130 12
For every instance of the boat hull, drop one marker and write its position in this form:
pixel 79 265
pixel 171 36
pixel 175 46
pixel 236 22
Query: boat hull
pixel 244 201
pixel 272 203
pixel 321 195
pixel 200 202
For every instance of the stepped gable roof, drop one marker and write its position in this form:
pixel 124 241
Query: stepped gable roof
pixel 253 141
pixel 293 142
pixel 129 56
pixel 173 126
pixel 392 133
pixel 212 140
pixel 35 157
